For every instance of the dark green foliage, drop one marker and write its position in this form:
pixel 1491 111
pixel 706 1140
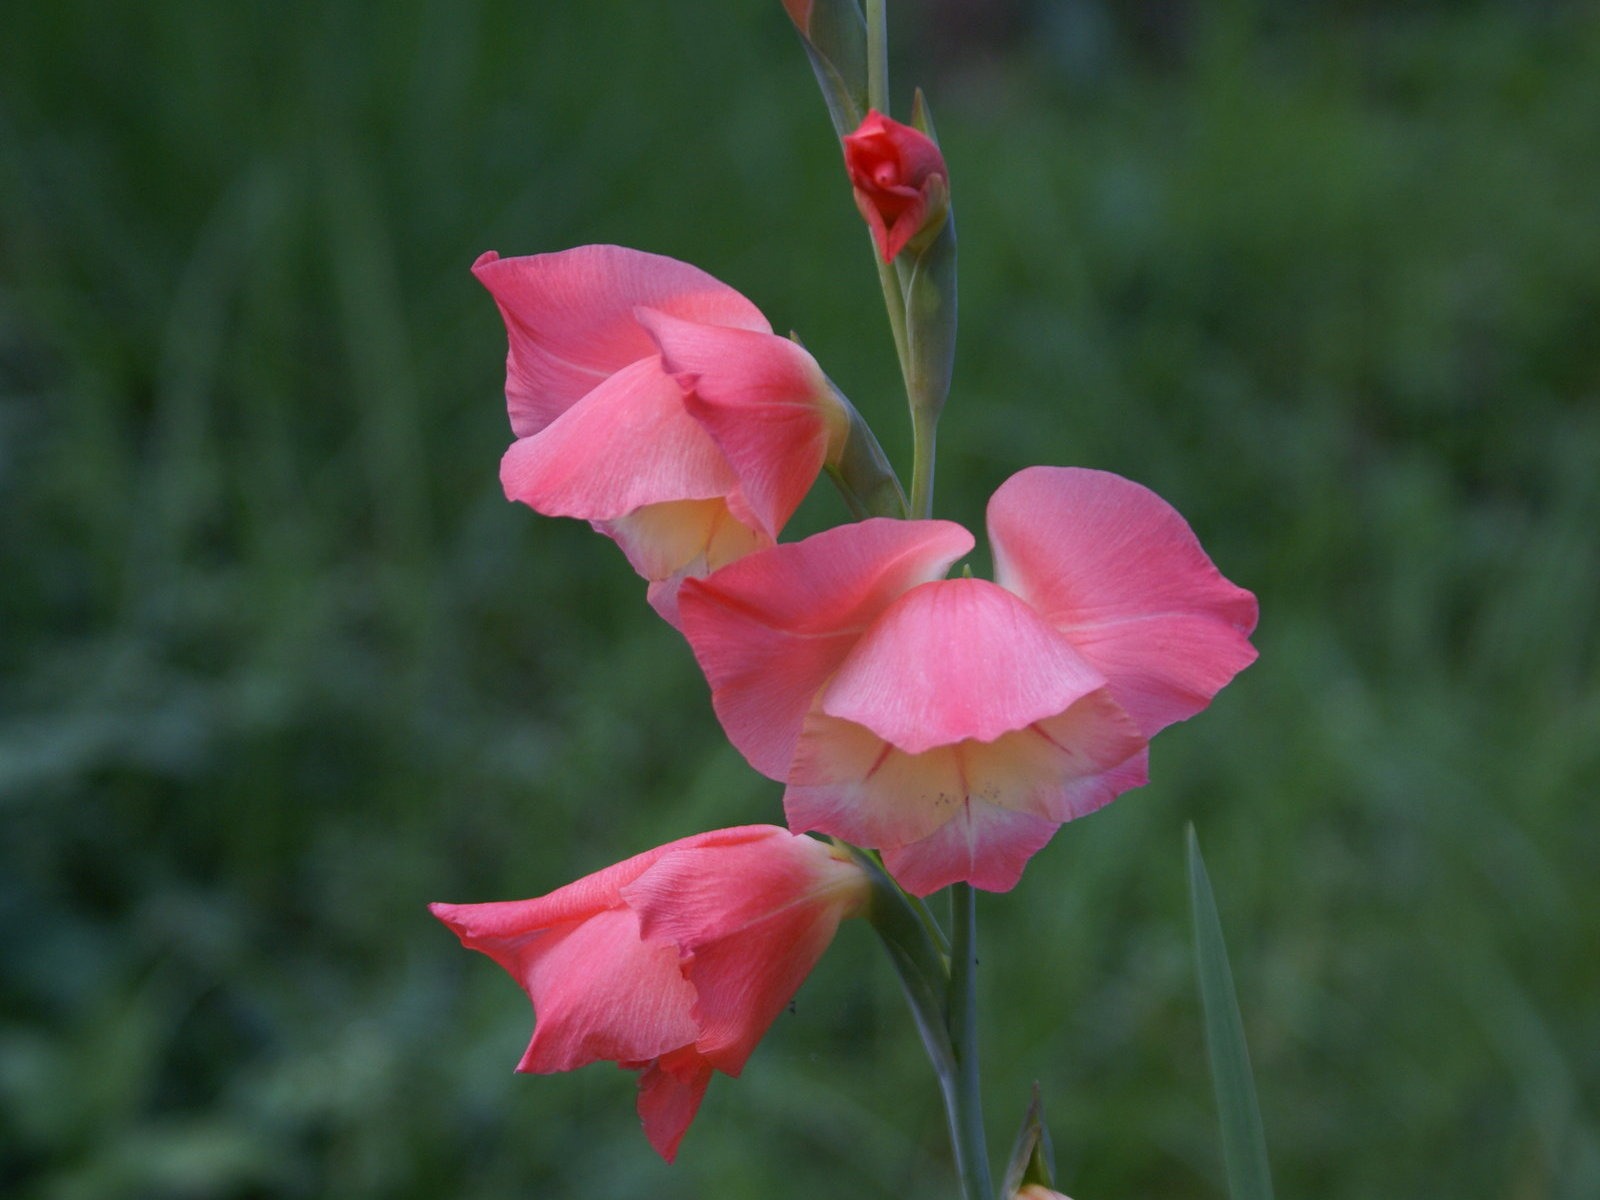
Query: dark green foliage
pixel 278 665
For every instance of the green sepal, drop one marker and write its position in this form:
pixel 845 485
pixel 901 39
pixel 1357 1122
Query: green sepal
pixel 930 291
pixel 1033 1159
pixel 835 38
pixel 929 286
pixel 921 117
pixel 861 470
pixel 924 970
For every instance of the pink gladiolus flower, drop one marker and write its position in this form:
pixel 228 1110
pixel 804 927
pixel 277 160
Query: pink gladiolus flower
pixel 656 403
pixel 899 177
pixel 673 963
pixel 955 724
pixel 1037 1191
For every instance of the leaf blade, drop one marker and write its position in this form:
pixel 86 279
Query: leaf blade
pixel 1244 1143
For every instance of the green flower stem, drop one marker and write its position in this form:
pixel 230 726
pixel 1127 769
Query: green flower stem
pixel 940 992
pixel 963 1096
pixel 895 302
pixel 953 1048
pixel 924 436
pixel 877 57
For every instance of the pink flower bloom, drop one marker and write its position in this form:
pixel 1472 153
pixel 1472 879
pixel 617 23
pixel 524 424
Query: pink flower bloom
pixel 656 403
pixel 673 963
pixel 955 724
pixel 900 180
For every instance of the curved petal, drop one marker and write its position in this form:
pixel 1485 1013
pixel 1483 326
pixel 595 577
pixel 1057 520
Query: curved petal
pixel 570 323
pixel 953 660
pixel 661 540
pixel 763 400
pixel 670 1091
pixel 1116 569
pixel 769 630
pixel 628 443
pixel 490 927
pixel 599 989
pixel 981 844
pixel 850 783
pixel 752 920
pixel 687 539
pixel 600 992
pixel 727 885
pixel 1079 761
pixel 742 985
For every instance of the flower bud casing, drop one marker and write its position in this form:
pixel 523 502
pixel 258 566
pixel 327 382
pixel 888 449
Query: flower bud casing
pixel 834 34
pixel 1031 1170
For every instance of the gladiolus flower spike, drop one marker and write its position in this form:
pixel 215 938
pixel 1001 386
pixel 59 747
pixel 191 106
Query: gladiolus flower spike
pixel 673 963
pixel 656 403
pixel 955 724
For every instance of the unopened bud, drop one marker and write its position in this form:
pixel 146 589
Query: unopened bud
pixel 901 183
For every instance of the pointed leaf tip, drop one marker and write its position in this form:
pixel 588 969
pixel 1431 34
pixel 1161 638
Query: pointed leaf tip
pixel 1033 1159
pixel 1244 1147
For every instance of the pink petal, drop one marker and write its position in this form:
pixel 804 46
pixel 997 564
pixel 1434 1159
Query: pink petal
pixel 743 984
pixel 1116 569
pixel 628 443
pixel 765 403
pixel 752 918
pixel 599 991
pixel 848 782
pixel 569 319
pixel 670 1091
pixel 725 541
pixel 981 844
pixel 725 884
pixel 771 628
pixel 669 543
pixel 1085 758
pixel 953 660
pixel 488 927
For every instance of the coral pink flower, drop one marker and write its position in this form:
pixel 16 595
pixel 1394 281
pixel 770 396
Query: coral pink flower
pixel 899 177
pixel 656 403
pixel 673 963
pixel 956 723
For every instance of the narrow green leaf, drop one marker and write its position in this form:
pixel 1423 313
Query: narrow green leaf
pixel 1244 1145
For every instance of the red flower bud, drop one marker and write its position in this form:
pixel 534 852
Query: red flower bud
pixel 901 184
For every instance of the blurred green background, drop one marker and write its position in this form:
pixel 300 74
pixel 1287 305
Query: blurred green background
pixel 279 665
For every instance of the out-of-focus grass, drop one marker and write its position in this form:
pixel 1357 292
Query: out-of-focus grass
pixel 279 665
